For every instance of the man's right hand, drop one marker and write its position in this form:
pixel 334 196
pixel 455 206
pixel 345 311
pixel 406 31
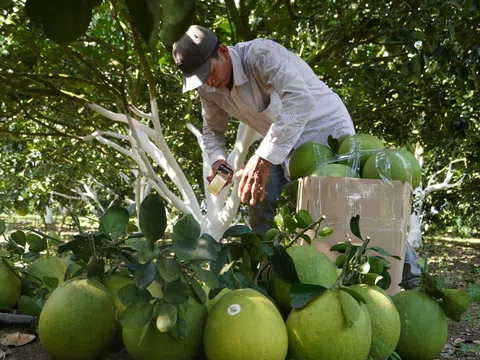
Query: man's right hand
pixel 213 171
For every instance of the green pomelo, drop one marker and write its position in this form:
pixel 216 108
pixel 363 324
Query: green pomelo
pixel 50 267
pixel 342 138
pixel 387 165
pixel 356 143
pixel 424 327
pixel 306 157
pixel 113 284
pixel 384 319
pixel 335 170
pixel 10 285
pixel 414 164
pixel 157 345
pixel 312 266
pixel 77 321
pixel 319 331
pixel 244 324
pixel 22 211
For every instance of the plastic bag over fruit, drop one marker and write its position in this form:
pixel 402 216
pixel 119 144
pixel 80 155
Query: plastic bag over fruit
pixel 360 176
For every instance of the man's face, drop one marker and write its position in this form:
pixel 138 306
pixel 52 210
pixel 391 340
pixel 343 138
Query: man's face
pixel 220 69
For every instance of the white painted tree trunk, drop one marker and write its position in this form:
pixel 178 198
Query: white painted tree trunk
pixel 148 147
pixel 415 232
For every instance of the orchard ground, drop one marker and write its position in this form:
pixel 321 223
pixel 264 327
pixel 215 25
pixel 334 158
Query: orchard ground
pixel 454 262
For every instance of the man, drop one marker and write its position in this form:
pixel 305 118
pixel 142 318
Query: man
pixel 271 90
pixel 276 93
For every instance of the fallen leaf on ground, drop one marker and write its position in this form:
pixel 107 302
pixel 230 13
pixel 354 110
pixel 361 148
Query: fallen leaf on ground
pixel 16 339
pixel 4 353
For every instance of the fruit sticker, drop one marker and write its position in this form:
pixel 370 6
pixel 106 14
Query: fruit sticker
pixel 234 309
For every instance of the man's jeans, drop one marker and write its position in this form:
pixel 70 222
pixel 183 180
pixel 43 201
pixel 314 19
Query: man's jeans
pixel 265 210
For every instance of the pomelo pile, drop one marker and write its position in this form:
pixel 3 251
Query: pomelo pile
pixel 360 155
pixel 79 320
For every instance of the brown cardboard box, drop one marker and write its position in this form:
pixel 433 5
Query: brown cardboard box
pixel 384 208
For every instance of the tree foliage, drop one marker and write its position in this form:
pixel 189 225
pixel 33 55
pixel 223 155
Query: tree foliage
pixel 408 71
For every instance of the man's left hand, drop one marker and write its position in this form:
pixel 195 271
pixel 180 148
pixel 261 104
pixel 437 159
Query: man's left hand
pixel 254 180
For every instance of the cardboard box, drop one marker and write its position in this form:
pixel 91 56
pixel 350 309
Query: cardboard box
pixel 384 208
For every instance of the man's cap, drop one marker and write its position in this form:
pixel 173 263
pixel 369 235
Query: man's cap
pixel 192 54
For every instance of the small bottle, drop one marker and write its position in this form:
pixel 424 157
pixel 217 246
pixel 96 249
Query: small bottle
pixel 224 172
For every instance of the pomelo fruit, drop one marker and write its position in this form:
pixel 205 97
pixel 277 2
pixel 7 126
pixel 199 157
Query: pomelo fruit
pixel 77 321
pixel 387 165
pixel 245 325
pixel 319 331
pixel 10 285
pixel 424 329
pixel 312 266
pixel 306 157
pixel 384 319
pixel 22 211
pixel 335 170
pixel 50 267
pixel 416 168
pixel 157 345
pixel 115 283
pixel 356 143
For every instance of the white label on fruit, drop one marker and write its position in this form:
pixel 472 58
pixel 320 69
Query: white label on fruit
pixel 234 309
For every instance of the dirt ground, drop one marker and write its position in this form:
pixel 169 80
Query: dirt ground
pixel 455 264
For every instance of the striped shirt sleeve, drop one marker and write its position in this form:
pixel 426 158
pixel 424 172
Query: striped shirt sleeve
pixel 272 67
pixel 215 124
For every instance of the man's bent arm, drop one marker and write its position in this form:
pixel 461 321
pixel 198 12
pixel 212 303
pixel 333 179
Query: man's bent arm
pixel 215 124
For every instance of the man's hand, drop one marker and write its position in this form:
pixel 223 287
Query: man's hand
pixel 213 171
pixel 254 180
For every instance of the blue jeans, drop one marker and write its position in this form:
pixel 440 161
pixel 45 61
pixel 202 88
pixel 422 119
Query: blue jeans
pixel 265 210
pixel 262 211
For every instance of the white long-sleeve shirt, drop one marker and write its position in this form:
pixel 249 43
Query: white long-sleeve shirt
pixel 277 94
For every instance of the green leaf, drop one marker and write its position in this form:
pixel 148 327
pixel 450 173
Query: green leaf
pixel 383 252
pixel 166 316
pixel 96 269
pixel 144 275
pixel 137 315
pixel 186 242
pixel 237 231
pixel 208 277
pixel 28 306
pixel 341 247
pixel 153 218
pixel 359 297
pixel 333 143
pixel 350 307
pixel 177 16
pixel 179 331
pixel 302 294
pixel 50 281
pixel 198 290
pixel 372 278
pixel 290 223
pixel 217 246
pixel 130 294
pixel 169 269
pixel 304 219
pixel 216 266
pixel 37 244
pixel 145 15
pixel 4 253
pixel 355 226
pixel 176 292
pixel 19 237
pixel 455 303
pixel 283 266
pixel 326 231
pixel 114 222
pixel 3 227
